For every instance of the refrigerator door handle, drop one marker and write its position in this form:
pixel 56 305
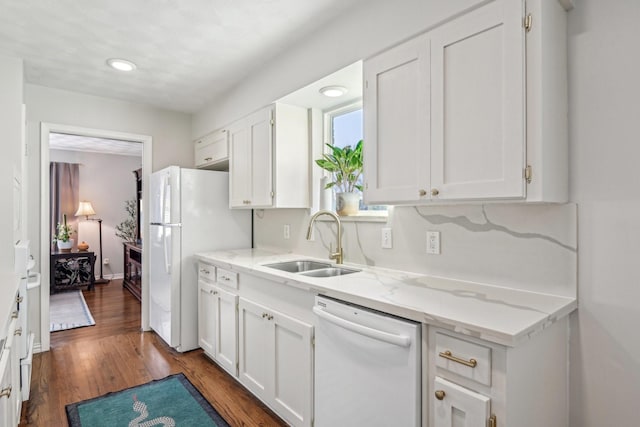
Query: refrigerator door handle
pixel 166 250
pixel 399 340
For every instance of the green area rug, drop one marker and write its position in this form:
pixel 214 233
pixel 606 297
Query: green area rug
pixel 171 401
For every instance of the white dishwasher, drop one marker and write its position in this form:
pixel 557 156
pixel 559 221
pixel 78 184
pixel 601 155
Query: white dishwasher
pixel 367 367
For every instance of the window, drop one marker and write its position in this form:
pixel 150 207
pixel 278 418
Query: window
pixel 344 127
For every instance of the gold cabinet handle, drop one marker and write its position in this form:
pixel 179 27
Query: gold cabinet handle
pixel 264 315
pixel 440 394
pixel 447 355
pixel 435 192
pixel 18 332
pixel 422 193
pixel 269 317
pixel 5 392
pixel 208 159
pixel 14 315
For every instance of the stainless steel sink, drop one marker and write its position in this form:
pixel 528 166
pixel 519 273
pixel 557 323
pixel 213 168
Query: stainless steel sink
pixel 298 266
pixel 330 272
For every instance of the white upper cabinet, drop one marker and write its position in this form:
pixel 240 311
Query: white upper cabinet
pixel 474 109
pixel 212 151
pixel 477 104
pixel 269 163
pixel 396 120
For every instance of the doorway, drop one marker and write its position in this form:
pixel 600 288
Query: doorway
pixel 45 244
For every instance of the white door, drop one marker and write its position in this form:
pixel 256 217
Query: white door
pixel 207 318
pixel 478 104
pixel 456 406
pixel 292 368
pixel 226 334
pixel 253 346
pixel 396 124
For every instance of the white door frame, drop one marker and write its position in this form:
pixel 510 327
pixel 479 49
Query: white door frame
pixel 45 245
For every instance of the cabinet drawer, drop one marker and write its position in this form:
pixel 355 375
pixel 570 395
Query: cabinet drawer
pixel 465 358
pixel 206 272
pixel 227 278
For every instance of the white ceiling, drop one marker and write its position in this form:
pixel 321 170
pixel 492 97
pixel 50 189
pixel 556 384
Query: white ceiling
pixel 61 141
pixel 187 51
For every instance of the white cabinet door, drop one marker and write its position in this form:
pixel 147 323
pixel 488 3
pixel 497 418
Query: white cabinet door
pixel 7 392
pixel 276 361
pixel 212 150
pixel 396 123
pixel 226 334
pixel 239 164
pixel 251 161
pixel 253 345
pixel 478 104
pixel 456 406
pixel 10 396
pixel 292 368
pixel 206 318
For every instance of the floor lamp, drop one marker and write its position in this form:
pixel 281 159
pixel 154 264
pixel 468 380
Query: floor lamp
pixel 85 208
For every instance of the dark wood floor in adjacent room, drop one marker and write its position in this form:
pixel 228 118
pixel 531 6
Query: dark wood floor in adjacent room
pixel 113 355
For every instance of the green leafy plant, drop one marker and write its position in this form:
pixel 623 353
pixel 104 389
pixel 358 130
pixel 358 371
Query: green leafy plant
pixel 126 230
pixel 63 231
pixel 345 165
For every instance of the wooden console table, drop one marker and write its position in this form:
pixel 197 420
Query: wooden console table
pixel 133 269
pixel 71 270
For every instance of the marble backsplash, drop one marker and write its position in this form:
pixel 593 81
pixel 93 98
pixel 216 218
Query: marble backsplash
pixel 528 247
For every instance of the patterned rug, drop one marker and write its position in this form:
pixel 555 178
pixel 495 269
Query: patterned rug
pixel 68 310
pixel 171 401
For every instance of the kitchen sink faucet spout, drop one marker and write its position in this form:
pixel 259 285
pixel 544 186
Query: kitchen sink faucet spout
pixel 338 255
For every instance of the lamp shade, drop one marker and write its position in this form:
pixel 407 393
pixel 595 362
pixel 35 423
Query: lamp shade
pixel 85 208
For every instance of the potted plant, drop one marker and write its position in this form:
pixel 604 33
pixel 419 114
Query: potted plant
pixel 126 230
pixel 345 165
pixel 63 235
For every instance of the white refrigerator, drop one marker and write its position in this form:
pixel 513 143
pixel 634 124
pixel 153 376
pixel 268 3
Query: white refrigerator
pixel 189 214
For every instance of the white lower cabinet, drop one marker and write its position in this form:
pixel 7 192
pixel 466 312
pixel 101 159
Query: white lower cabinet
pixel 276 360
pixel 218 325
pixel 457 406
pixel 10 395
pixel 476 383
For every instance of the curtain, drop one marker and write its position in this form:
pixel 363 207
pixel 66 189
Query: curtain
pixel 64 195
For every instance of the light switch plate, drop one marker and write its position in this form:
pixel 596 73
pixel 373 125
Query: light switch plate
pixel 433 242
pixel 387 239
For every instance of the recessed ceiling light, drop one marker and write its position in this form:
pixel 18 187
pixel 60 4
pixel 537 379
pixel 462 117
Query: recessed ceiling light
pixel 333 91
pixel 121 64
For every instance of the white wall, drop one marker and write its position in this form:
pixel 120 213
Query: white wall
pixel 107 181
pixel 604 92
pixel 171 132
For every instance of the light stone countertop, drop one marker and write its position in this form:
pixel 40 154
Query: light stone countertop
pixel 496 314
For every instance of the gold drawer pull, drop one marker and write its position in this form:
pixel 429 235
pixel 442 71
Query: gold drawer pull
pixel 470 363
pixel 18 332
pixel 208 159
pixel 440 394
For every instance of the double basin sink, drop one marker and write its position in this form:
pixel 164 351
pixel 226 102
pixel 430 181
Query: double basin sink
pixel 311 268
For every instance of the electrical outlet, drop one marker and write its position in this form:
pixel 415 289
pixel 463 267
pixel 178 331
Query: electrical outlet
pixel 387 239
pixel 106 261
pixel 433 242
pixel 287 231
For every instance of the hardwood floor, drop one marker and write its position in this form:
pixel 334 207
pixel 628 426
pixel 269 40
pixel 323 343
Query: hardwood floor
pixel 113 355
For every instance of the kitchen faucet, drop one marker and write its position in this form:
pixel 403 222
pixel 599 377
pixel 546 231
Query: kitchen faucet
pixel 338 254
